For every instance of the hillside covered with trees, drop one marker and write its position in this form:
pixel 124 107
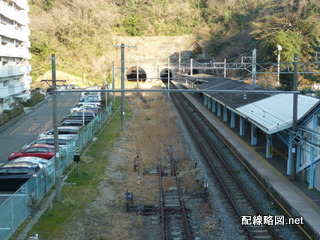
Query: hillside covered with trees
pixel 80 32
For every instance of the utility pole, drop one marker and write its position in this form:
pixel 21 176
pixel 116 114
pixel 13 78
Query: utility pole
pixel 122 88
pixel 55 129
pixel 279 58
pixel 137 73
pixel 106 93
pixel 113 87
pixel 254 66
pixel 122 46
pixel 169 76
pixel 179 68
pixel 294 118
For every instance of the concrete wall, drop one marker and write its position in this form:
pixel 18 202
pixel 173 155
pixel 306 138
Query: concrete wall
pixel 152 53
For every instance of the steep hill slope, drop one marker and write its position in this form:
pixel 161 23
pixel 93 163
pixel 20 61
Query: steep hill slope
pixel 82 32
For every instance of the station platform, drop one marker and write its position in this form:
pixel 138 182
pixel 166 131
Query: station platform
pixel 292 196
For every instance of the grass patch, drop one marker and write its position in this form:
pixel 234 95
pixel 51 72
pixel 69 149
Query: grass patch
pixel 81 187
pixel 51 220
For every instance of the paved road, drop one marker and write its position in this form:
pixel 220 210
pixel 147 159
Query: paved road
pixel 28 127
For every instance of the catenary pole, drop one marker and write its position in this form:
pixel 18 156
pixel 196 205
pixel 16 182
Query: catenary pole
pixel 122 46
pixel 254 66
pixel 122 87
pixel 294 118
pixel 168 94
pixel 113 84
pixel 179 69
pixel 55 129
pixel 137 73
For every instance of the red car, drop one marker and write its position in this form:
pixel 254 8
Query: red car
pixel 37 150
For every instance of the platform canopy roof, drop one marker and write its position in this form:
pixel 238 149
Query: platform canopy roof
pixel 275 113
pixel 270 111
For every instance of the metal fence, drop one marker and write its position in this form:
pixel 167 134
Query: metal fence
pixel 23 202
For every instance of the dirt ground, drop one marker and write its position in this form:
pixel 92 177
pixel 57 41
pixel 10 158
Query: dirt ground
pixel 152 130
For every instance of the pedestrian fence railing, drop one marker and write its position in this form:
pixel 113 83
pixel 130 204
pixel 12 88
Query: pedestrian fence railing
pixel 18 206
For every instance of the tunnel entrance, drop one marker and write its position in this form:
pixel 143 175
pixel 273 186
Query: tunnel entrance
pixel 194 71
pixel 164 74
pixel 136 74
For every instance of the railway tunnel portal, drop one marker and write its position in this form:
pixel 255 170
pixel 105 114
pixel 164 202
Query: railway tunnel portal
pixel 149 59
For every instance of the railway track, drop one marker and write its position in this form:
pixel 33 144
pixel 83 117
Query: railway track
pixel 173 211
pixel 241 202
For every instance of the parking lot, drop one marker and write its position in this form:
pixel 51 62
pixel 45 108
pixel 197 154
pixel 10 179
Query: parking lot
pixel 38 176
pixel 27 128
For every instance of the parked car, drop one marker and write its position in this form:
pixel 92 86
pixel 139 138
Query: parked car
pixel 93 87
pixel 93 98
pixel 43 163
pixel 14 175
pixel 63 140
pixel 37 150
pixel 62 130
pixel 94 103
pixel 83 107
pixel 93 109
pixel 86 116
pixel 72 122
pixel 39 90
pixel 87 94
pixel 74 86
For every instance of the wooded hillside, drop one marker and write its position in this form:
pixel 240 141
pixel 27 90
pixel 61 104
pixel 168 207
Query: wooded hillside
pixel 80 32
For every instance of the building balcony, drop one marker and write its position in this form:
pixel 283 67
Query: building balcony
pixel 13 14
pixel 27 44
pixel 22 4
pixel 11 90
pixel 17 70
pixel 18 52
pixel 13 33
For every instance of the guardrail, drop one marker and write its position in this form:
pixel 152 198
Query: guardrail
pixel 23 202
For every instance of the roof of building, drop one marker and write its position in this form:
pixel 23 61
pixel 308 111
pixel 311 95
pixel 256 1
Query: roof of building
pixel 269 110
pixel 275 113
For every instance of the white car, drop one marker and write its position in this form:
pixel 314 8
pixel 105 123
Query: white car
pixel 37 160
pixel 82 107
pixel 95 104
pixel 43 163
pixel 63 130
pixel 63 140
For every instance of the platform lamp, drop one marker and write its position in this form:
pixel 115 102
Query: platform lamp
pixel 279 55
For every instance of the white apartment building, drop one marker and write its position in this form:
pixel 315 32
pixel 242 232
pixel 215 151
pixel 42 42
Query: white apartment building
pixel 14 53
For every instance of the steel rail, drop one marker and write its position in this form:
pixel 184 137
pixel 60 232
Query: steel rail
pixel 182 205
pixel 164 222
pixel 219 179
pixel 271 231
pixel 185 117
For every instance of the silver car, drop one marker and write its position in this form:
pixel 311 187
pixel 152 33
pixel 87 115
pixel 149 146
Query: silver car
pixel 63 130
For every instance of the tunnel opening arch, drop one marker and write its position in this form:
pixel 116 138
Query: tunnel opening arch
pixel 136 73
pixel 165 73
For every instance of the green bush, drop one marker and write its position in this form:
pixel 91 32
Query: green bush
pixel 4 118
pixel 17 110
pixel 48 4
pixel 35 98
pixel 134 25
pixel 7 115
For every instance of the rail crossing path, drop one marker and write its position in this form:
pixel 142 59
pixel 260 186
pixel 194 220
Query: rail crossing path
pixel 294 201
